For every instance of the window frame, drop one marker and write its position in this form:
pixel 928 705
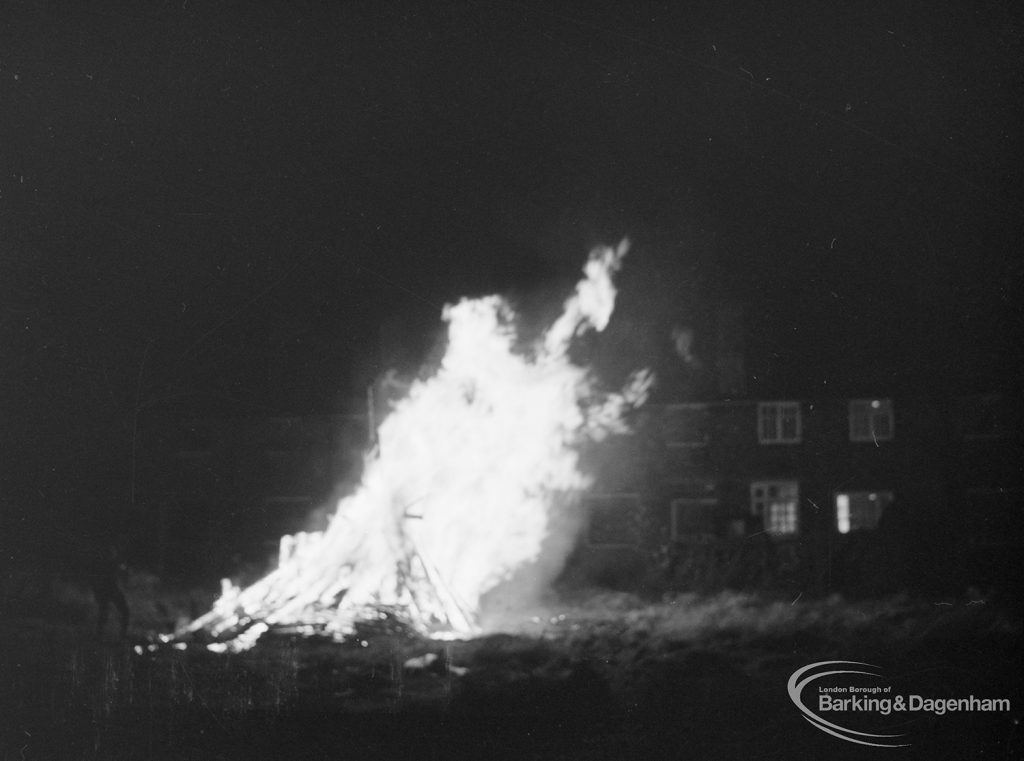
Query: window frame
pixel 778 410
pixel 760 506
pixel 888 496
pixel 871 409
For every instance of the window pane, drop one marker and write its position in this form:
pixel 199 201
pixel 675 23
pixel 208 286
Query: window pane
pixel 883 424
pixel 778 503
pixel 871 420
pixel 778 422
pixel 781 518
pixel 789 424
pixel 843 513
pixel 860 510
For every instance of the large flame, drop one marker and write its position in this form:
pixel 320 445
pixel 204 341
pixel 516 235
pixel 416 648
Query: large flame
pixel 462 491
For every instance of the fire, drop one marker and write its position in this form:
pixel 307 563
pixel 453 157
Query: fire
pixel 470 470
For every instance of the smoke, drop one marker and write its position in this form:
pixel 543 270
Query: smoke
pixel 527 587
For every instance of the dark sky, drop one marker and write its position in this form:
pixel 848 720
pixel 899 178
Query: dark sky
pixel 206 203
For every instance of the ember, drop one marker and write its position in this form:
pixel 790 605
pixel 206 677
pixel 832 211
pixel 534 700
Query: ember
pixel 470 469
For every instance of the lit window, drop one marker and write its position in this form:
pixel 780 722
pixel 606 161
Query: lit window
pixel 615 520
pixel 871 420
pixel 777 502
pixel 860 510
pixel 779 423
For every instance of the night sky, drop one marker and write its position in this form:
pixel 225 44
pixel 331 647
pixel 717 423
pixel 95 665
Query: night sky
pixel 227 205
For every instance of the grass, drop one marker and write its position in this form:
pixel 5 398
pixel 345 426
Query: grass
pixel 599 675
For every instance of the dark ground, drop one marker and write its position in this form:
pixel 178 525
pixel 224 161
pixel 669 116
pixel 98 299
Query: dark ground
pixel 612 678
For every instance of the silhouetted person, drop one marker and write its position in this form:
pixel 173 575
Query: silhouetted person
pixel 107 590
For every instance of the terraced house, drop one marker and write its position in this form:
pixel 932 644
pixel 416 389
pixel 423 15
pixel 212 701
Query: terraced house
pixel 870 492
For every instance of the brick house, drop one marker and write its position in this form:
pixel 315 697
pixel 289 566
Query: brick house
pixel 865 493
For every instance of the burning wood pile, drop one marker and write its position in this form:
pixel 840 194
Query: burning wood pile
pixel 470 468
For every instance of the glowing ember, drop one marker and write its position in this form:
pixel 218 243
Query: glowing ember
pixel 471 467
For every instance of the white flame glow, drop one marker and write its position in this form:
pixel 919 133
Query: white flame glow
pixel 470 467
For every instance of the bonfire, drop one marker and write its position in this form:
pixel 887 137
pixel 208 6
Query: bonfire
pixel 463 489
